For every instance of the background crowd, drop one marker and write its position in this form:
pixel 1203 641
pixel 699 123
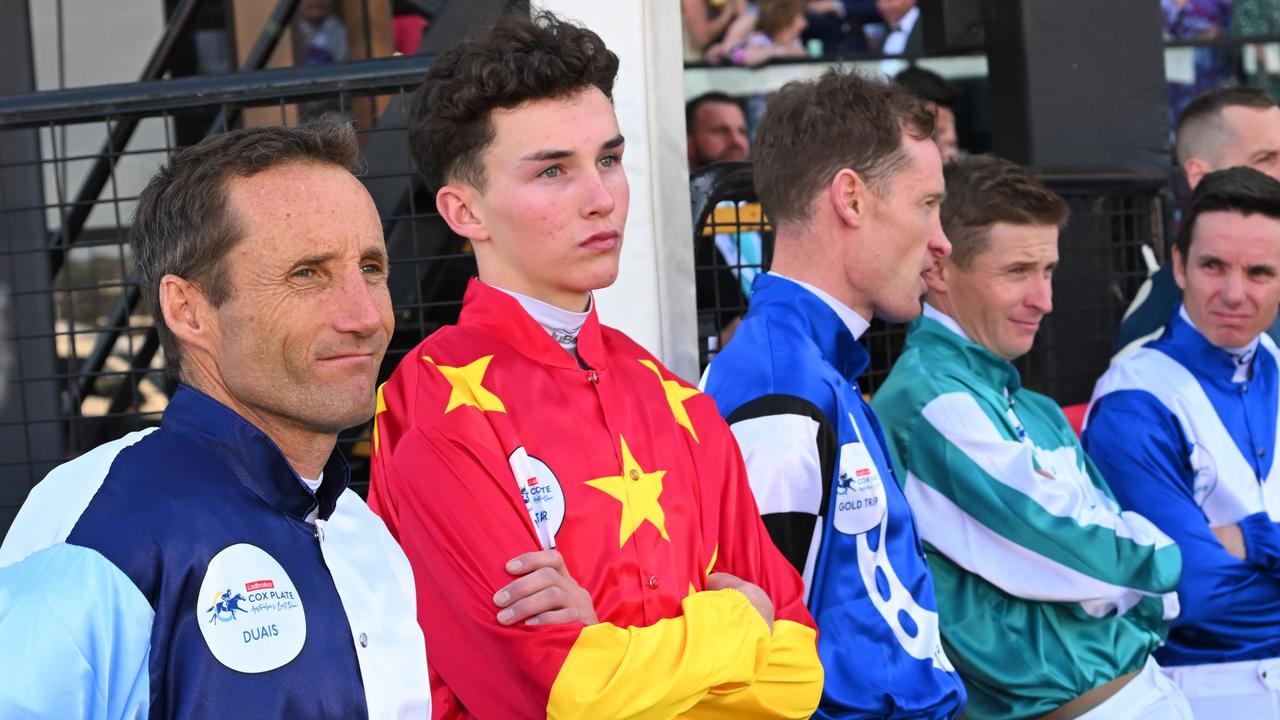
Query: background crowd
pixel 787 542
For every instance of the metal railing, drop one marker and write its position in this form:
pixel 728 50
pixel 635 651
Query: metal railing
pixel 101 356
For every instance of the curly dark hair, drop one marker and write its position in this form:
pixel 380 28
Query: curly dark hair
pixel 813 129
pixel 521 57
pixel 983 190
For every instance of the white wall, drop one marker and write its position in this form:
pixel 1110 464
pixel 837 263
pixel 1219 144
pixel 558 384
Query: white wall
pixel 653 299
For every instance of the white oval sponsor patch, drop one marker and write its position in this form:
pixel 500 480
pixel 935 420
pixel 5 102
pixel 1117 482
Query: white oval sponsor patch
pixel 249 611
pixel 1206 477
pixel 859 493
pixel 540 490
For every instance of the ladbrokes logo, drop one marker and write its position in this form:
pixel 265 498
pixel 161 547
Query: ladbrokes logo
pixel 845 484
pixel 256 630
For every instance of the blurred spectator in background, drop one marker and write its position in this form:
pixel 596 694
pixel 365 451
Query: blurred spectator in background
pixel 1198 20
pixel 406 33
pixel 717 130
pixel 728 256
pixel 940 97
pixel 321 36
pixel 409 19
pixel 769 29
pixel 705 22
pixel 1228 127
pixel 837 24
pixel 1220 129
pixel 903 32
pixel 1254 18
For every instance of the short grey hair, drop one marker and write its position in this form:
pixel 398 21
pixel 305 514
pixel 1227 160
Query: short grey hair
pixel 183 224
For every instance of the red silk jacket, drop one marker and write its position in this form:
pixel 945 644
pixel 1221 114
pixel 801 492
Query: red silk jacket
pixel 492 441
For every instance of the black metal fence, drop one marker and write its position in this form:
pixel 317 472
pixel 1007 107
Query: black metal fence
pixel 732 242
pixel 1113 216
pixel 82 360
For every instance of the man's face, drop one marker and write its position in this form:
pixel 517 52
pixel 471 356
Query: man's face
pixel 1230 278
pixel 315 11
pixel 944 133
pixel 1252 138
pixel 299 342
pixel 549 222
pixel 718 134
pixel 903 237
pixel 894 10
pixel 1000 298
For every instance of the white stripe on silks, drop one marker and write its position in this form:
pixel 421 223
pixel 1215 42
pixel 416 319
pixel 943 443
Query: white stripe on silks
pixel 1009 566
pixel 1214 453
pixel 1070 494
pixel 55 504
pixel 811 559
pixel 376 585
pixel 783 466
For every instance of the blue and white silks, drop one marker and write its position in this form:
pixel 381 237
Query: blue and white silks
pixel 174 573
pixel 1186 435
pixel 817 463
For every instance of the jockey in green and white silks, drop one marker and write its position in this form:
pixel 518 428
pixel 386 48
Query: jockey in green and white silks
pixel 1045 588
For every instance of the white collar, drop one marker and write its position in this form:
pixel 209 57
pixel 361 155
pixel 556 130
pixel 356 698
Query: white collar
pixel 562 325
pixel 314 486
pixel 856 323
pixel 1243 355
pixel 944 320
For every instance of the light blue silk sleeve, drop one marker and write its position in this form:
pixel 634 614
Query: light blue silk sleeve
pixel 75 638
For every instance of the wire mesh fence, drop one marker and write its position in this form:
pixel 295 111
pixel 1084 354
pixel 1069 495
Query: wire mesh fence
pixel 732 243
pixel 1113 216
pixel 80 354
